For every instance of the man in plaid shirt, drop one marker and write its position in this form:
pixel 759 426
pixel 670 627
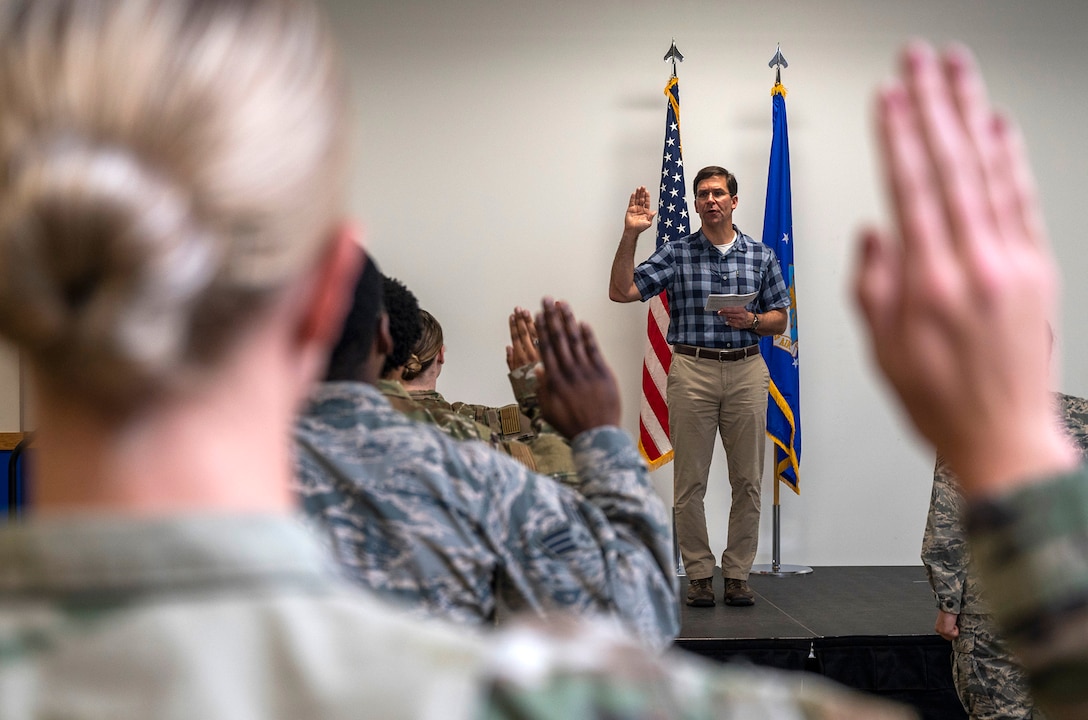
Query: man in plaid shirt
pixel 717 379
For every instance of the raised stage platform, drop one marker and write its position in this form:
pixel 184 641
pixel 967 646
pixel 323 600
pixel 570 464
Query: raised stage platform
pixel 867 627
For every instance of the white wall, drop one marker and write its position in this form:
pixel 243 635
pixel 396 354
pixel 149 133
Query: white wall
pixel 498 142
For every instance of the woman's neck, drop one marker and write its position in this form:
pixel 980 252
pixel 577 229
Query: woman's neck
pixel 426 380
pixel 221 448
pixel 422 382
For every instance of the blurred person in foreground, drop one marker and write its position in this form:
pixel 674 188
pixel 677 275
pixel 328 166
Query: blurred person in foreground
pixel 174 264
pixel 449 529
pixel 989 679
pixel 958 303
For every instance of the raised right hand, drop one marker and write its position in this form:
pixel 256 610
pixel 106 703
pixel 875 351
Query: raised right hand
pixel 958 298
pixel 522 349
pixel 639 215
pixel 577 390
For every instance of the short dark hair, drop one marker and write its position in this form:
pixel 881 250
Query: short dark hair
pixel 715 171
pixel 404 323
pixel 360 327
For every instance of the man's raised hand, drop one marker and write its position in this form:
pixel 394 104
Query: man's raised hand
pixel 578 391
pixel 522 349
pixel 639 215
pixel 959 298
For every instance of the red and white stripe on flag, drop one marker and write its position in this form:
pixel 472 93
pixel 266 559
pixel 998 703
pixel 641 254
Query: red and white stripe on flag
pixel 653 421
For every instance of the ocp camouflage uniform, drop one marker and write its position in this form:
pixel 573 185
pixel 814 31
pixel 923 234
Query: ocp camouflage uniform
pixel 457 426
pixel 220 617
pixel 989 681
pixel 436 411
pixel 442 526
pixel 217 616
pixel 523 381
pixel 1029 544
pixel 520 421
pixel 548 445
pixel 519 430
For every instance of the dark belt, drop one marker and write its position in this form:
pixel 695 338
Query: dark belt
pixel 719 355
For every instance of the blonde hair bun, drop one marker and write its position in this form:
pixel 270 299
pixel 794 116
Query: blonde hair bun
pixel 165 168
pixel 101 262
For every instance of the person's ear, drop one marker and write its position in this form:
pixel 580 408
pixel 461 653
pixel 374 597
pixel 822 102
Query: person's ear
pixel 383 339
pixel 442 355
pixel 332 287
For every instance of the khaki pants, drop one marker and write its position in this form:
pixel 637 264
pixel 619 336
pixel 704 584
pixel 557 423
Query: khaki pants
pixel 707 398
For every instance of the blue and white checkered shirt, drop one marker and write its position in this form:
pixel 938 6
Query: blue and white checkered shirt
pixel 690 268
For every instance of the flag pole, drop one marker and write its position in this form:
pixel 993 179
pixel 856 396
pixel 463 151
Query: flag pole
pixel 675 56
pixel 776 568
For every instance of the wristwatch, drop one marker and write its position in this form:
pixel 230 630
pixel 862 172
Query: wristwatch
pixel 755 322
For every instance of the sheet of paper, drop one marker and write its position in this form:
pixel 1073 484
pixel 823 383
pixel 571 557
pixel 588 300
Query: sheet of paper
pixel 717 302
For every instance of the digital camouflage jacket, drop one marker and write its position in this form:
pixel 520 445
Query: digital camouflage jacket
pixel 446 526
pixel 944 546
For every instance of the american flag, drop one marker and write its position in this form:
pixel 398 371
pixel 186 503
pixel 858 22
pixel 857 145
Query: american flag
pixel 672 223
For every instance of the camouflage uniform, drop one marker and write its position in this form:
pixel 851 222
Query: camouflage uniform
pixel 507 422
pixel 443 526
pixel 523 381
pixel 219 616
pixel 518 430
pixel 989 681
pixel 457 426
pixel 511 426
pixel 1030 548
pixel 428 406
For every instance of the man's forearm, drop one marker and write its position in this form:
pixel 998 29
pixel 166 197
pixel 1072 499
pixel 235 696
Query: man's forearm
pixel 947 585
pixel 621 287
pixel 602 547
pixel 944 542
pixel 523 382
pixel 614 479
pixel 772 322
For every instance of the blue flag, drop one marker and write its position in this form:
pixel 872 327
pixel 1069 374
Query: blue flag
pixel 780 351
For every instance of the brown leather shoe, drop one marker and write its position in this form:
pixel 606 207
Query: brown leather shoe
pixel 737 593
pixel 701 593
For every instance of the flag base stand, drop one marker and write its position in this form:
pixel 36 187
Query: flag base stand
pixel 776 568
pixel 781 570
